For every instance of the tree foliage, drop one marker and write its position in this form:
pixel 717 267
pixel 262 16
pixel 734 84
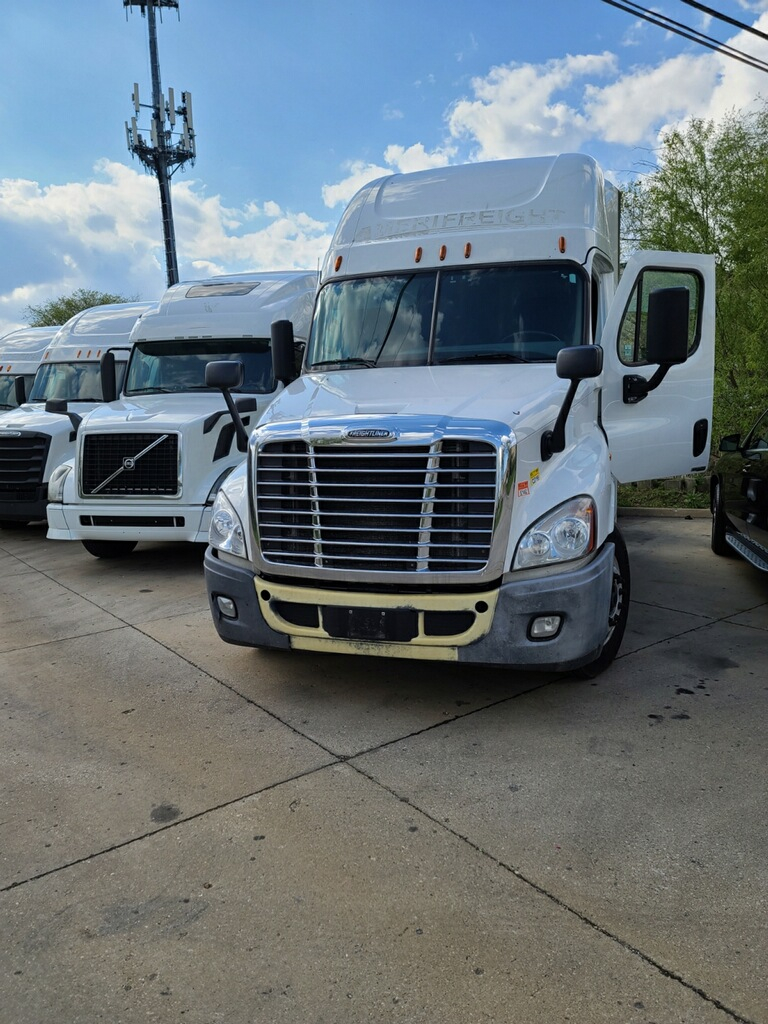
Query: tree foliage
pixel 707 194
pixel 58 311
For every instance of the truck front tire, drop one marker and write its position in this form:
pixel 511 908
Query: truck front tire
pixel 618 611
pixel 109 548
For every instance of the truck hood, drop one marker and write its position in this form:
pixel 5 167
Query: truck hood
pixel 34 417
pixel 160 412
pixel 526 398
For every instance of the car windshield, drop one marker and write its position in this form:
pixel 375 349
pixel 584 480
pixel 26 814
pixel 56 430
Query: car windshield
pixel 69 382
pixel 517 314
pixel 158 367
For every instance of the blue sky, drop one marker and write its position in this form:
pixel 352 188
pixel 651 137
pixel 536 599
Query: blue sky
pixel 298 104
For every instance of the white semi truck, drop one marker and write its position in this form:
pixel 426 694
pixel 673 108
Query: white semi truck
pixel 147 466
pixel 40 434
pixel 440 481
pixel 20 354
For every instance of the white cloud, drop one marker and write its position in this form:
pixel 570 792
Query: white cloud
pixel 519 109
pixel 106 234
pixel 631 110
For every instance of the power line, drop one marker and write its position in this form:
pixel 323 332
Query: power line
pixel 662 21
pixel 724 17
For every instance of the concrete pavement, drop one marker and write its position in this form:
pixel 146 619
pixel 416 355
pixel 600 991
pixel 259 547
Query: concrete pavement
pixel 200 833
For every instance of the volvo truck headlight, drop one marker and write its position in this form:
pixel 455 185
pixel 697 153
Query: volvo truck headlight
pixel 226 531
pixel 565 533
pixel 56 483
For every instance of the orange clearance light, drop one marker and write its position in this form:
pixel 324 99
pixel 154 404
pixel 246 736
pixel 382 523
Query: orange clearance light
pixel 418 254
pixel 443 252
pixel 337 264
pixel 467 250
pixel 561 243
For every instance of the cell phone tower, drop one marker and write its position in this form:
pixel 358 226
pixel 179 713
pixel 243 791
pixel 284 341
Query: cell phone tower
pixel 166 146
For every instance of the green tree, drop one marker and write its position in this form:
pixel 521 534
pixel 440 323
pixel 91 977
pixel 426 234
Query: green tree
pixel 708 193
pixel 58 311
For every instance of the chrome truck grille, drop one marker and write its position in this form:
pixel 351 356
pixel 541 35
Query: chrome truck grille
pixel 130 465
pixel 397 508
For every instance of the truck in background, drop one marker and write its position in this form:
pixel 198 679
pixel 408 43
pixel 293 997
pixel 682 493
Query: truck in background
pixel 20 354
pixel 147 466
pixel 40 434
pixel 440 481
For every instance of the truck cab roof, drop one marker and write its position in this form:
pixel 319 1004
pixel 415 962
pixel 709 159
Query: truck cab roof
pixel 539 208
pixel 232 306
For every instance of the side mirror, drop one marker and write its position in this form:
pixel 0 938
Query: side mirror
pixel 574 364
pixel 283 352
pixel 59 407
pixel 579 362
pixel 731 443
pixel 667 326
pixel 108 377
pixel 666 340
pixel 19 390
pixel 226 374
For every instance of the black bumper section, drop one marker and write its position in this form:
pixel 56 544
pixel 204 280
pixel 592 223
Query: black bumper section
pixel 249 628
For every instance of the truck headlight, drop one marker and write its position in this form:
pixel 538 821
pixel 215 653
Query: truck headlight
pixel 565 533
pixel 226 531
pixel 56 483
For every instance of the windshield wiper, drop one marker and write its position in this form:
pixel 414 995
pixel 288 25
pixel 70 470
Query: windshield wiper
pixel 150 391
pixel 488 357
pixel 345 361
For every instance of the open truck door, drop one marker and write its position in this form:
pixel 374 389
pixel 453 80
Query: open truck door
pixel 658 366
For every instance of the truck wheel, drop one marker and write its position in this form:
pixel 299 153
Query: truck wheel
pixel 109 548
pixel 617 613
pixel 718 542
pixel 13 524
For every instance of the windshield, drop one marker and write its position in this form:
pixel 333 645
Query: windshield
pixel 520 313
pixel 70 382
pixel 8 388
pixel 167 366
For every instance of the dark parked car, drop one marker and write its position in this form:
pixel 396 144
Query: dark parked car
pixel 739 496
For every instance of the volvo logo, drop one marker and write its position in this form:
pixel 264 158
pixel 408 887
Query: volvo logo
pixel 129 463
pixel 370 434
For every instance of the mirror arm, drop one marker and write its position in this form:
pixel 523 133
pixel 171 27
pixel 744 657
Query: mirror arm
pixel 242 433
pixel 554 440
pixel 636 388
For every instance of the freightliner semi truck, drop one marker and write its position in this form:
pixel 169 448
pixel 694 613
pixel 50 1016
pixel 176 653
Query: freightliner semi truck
pixel 147 465
pixel 40 434
pixel 440 479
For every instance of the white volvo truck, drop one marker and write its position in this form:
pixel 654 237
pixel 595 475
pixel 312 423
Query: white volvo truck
pixel 148 465
pixel 20 355
pixel 440 481
pixel 40 434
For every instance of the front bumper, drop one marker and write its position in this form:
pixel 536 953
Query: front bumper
pixel 285 616
pixel 26 506
pixel 129 521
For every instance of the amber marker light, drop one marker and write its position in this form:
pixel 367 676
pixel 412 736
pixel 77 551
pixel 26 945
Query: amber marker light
pixel 443 252
pixel 467 250
pixel 337 264
pixel 418 254
pixel 561 243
